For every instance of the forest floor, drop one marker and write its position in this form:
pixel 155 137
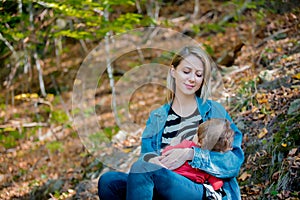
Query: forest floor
pixel 42 155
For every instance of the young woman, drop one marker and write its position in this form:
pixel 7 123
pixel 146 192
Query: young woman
pixel 151 177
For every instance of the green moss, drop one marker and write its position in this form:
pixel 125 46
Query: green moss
pixel 287 137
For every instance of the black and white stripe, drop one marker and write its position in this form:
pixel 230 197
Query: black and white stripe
pixel 180 127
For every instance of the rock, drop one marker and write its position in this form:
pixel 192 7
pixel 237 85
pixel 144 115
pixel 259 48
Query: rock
pixel 294 107
pixel 87 189
pixel 50 187
pixel 267 75
pixel 53 185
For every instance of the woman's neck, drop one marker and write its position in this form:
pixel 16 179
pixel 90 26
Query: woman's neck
pixel 184 106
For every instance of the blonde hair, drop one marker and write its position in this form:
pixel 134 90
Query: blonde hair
pixel 216 135
pixel 204 90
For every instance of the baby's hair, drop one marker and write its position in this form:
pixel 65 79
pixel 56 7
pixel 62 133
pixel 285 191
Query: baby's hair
pixel 216 135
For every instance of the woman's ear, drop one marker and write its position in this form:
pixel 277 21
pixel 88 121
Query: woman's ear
pixel 172 71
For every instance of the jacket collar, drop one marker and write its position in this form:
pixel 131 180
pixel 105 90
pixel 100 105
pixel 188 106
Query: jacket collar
pixel 203 107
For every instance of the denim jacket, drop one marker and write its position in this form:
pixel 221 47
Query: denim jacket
pixel 221 165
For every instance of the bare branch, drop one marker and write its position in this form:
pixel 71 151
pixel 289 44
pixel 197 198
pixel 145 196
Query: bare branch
pixel 11 48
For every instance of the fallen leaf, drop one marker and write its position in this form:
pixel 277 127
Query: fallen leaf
pixel 296 76
pixel 265 100
pixel 275 176
pixel 244 176
pixel 284 144
pixel 254 109
pixel 292 151
pixel 262 133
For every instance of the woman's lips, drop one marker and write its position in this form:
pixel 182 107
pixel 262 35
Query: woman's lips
pixel 189 86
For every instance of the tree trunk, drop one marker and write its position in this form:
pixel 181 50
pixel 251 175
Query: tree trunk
pixel 36 57
pixel 110 72
pixel 196 9
pixel 39 69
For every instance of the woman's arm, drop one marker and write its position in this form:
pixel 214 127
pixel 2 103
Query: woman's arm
pixel 151 135
pixel 175 156
pixel 221 165
pixel 148 136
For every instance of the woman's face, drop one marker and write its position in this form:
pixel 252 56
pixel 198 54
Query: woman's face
pixel 188 75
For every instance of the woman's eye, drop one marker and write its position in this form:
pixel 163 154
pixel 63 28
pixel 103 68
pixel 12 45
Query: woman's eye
pixel 186 72
pixel 199 75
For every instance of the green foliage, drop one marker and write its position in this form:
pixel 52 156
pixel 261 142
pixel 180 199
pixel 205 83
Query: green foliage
pixel 288 135
pixel 250 5
pixel 209 28
pixel 285 137
pixel 74 34
pixel 59 116
pixel 260 17
pixel 168 24
pixel 76 111
pixel 13 22
pixel 125 22
pixel 35 27
pixel 8 141
pixel 195 28
pixel 97 138
pixel 56 194
pixel 55 146
pixel 9 137
pixel 105 135
pixel 2 106
pixel 118 2
pixel 110 131
pixel 245 94
pixel 90 21
pixel 88 111
pixel 78 19
pixel 209 49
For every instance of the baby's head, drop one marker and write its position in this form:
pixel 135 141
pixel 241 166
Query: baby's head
pixel 215 134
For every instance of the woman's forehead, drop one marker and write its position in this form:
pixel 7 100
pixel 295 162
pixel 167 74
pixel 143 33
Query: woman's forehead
pixel 193 62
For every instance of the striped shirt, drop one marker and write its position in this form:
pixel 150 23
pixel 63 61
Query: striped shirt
pixel 178 128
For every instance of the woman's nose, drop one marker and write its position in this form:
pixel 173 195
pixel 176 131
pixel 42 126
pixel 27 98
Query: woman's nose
pixel 192 77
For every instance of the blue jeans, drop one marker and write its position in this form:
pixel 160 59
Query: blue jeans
pixel 147 181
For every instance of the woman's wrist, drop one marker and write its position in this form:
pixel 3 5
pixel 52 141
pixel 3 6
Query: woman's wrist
pixel 190 154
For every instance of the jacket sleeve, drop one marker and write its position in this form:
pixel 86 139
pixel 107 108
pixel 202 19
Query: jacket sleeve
pixel 221 165
pixel 148 149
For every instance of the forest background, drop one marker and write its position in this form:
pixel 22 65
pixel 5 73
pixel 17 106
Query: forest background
pixel 43 44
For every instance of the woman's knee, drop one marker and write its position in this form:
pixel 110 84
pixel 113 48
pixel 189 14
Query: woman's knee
pixel 105 179
pixel 141 166
pixel 111 177
pixel 112 185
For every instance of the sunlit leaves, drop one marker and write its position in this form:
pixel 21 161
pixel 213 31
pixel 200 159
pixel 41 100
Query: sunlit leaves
pixel 74 34
pixel 125 22
pixel 118 2
pixel 82 19
pixel 76 9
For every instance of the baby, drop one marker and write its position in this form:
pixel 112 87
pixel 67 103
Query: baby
pixel 214 135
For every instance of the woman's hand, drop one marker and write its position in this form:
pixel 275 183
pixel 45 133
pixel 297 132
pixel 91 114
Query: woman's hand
pixel 156 160
pixel 174 158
